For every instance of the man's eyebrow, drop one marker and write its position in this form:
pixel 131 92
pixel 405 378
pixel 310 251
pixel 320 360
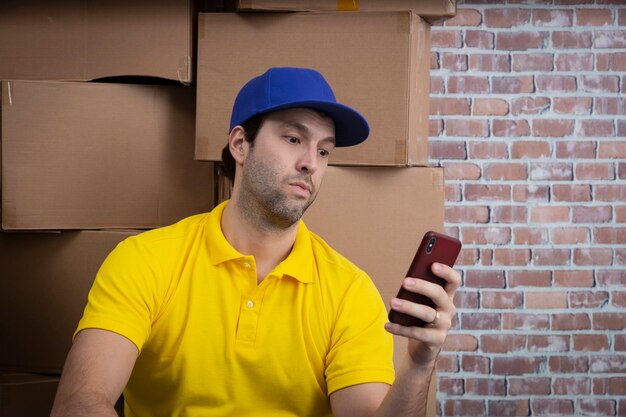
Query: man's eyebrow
pixel 303 129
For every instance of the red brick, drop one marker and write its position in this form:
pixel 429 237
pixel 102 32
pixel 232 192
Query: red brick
pixel 610 192
pixel 610 149
pixel 453 62
pixel 556 83
pixel 591 214
pixel 529 386
pixel 466 128
pixel 510 214
pixel 529 278
pixel 522 84
pixel 502 343
pixel 495 192
pixel 594 17
pixel 468 84
pixel 447 149
pixel 480 321
pixel 621 169
pixel 434 60
pixel 435 128
pixel 506 17
pixel 461 171
pixel 485 386
pixel 614 364
pixel 451 386
pixel 571 386
pixel 575 149
pixel 609 321
pixel 548 299
pixel 486 257
pixel 610 106
pixel 529 105
pixel 463 407
pixel 520 365
pixel 519 321
pixel 501 407
pixel 569 235
pixel 572 40
pixel 568 364
pixel 530 149
pixel 465 17
pixel 595 128
pixel 461 343
pixel 555 171
pixel 616 61
pixel 548 343
pixel 467 214
pixel 436 84
pixel 619 299
pixel 480 39
pixel 487 150
pixel 594 171
pixel 521 41
pixel 504 171
pixel 588 299
pixel 467 257
pixel 452 192
pixel 609 235
pixel 500 300
pixel 533 61
pixel 570 322
pixel 552 18
pixel 596 407
pixel 551 256
pixel 447 363
pixel 510 128
pixel 621 17
pixel 581 61
pixel 593 256
pixel 511 257
pixel 620 342
pixel 609 39
pixel 620 214
pixel 552 127
pixel 484 279
pixel 549 214
pixel 571 192
pixel 572 105
pixel 574 278
pixel 445 38
pixel 475 364
pixel 542 406
pixel 490 107
pixel 449 106
pixel 486 235
pixel 590 342
pixel 597 83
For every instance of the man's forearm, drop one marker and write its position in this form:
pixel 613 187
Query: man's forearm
pixel 83 405
pixel 408 396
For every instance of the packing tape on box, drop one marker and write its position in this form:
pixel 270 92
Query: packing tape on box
pixel 347 5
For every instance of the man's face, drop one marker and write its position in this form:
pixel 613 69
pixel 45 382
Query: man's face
pixel 284 168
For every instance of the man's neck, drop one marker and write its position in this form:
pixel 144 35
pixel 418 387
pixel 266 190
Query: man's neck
pixel 268 247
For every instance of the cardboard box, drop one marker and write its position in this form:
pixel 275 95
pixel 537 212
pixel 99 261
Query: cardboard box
pixel 43 291
pixel 432 11
pixel 86 40
pixel 26 395
pixel 96 155
pixel 376 62
pixel 376 217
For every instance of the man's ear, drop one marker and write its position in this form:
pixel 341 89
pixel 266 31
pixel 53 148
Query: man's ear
pixel 237 144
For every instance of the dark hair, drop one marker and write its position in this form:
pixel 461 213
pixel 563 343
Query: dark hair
pixel 251 128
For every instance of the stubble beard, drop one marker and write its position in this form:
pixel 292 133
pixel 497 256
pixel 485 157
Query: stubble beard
pixel 263 200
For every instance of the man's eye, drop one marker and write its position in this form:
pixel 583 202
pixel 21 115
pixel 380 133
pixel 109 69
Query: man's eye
pixel 324 153
pixel 292 139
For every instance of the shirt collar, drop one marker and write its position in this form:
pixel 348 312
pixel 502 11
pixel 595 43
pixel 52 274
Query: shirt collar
pixel 298 264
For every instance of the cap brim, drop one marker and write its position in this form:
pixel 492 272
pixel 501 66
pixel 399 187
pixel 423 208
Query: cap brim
pixel 351 128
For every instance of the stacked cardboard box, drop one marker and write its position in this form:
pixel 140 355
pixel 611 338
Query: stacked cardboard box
pixel 378 198
pixel 97 138
pixel 98 114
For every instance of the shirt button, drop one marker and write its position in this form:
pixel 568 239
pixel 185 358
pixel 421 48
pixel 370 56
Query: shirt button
pixel 250 304
pixel 247 265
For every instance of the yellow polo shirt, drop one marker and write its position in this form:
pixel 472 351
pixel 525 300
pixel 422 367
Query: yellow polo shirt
pixel 214 343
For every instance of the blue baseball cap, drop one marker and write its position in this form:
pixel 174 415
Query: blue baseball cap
pixel 288 88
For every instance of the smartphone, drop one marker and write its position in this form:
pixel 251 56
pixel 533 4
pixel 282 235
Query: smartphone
pixel 435 247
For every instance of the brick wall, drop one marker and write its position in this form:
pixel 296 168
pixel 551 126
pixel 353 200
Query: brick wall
pixel 528 118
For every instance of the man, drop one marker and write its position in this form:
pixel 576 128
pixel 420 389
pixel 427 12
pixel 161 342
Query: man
pixel 243 311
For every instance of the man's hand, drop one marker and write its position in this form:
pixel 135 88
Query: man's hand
pixel 426 342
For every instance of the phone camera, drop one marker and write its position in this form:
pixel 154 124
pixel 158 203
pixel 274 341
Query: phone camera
pixel 431 245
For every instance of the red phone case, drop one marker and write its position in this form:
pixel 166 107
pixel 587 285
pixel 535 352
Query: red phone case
pixel 435 247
